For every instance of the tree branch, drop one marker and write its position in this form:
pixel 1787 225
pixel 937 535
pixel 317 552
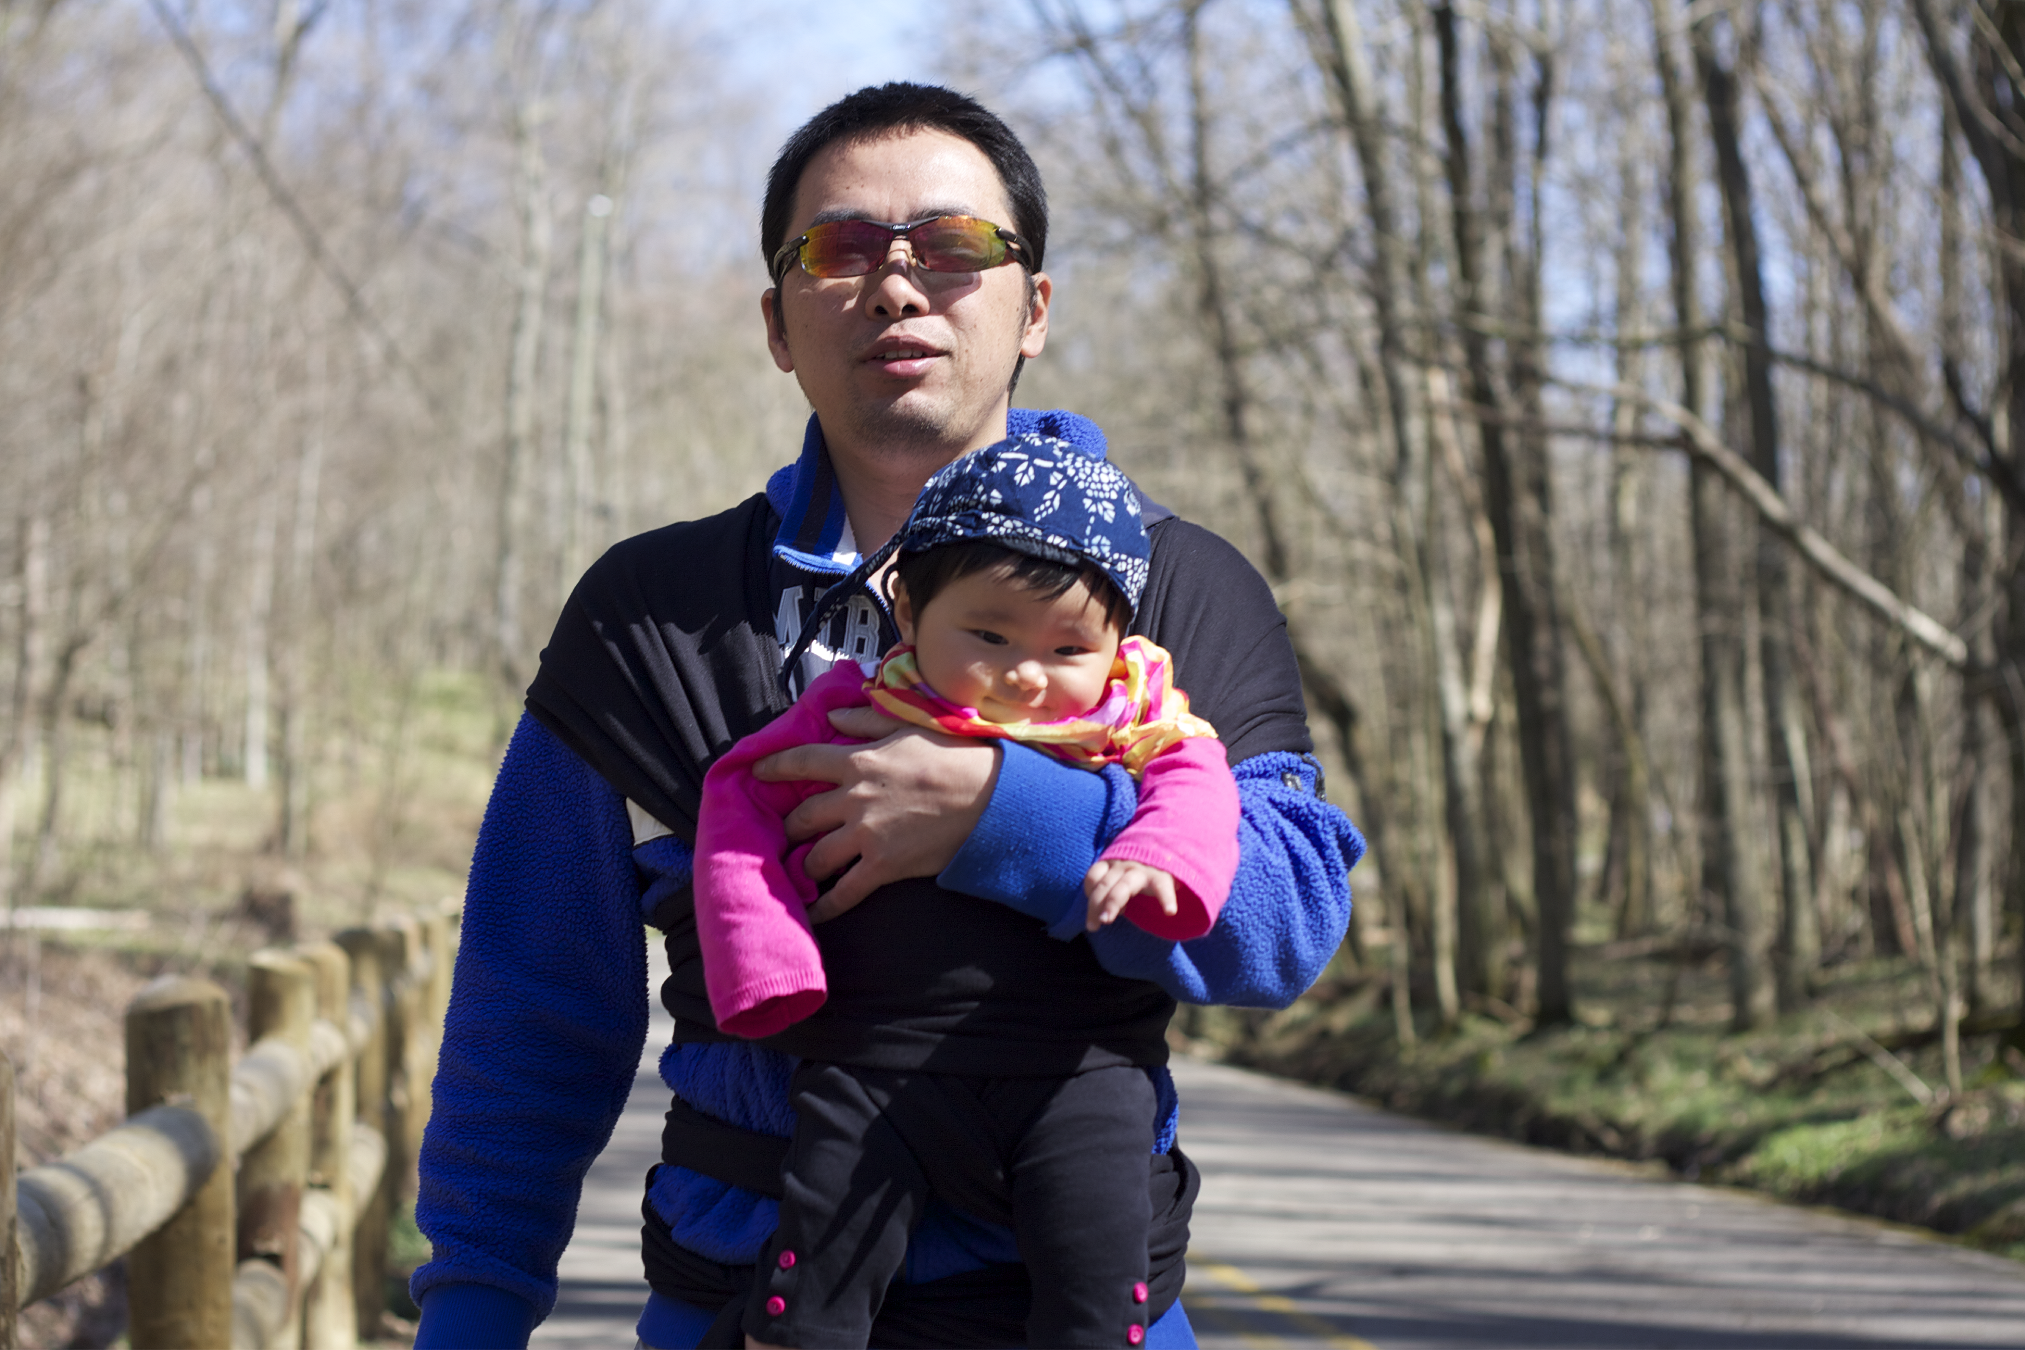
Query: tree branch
pixel 312 238
pixel 1698 440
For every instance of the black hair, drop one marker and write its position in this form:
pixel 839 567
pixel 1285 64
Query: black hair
pixel 899 106
pixel 874 110
pixel 926 573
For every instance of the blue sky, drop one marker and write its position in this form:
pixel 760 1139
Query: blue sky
pixel 808 55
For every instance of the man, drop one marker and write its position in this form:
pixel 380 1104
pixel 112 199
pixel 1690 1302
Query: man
pixel 906 339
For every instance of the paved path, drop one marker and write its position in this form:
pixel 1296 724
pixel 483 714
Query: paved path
pixel 1324 1222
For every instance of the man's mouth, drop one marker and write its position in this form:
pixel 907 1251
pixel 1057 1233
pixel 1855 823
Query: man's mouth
pixel 902 357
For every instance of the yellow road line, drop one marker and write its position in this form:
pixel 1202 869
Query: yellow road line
pixel 1224 1321
pixel 1278 1305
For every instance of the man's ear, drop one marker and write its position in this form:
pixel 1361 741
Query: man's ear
pixel 776 329
pixel 1040 292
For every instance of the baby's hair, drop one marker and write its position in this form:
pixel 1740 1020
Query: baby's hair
pixel 924 574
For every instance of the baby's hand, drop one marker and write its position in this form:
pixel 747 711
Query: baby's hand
pixel 1111 882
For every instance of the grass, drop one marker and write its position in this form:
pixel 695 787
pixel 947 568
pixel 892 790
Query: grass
pixel 398 784
pixel 1796 1110
pixel 407 1251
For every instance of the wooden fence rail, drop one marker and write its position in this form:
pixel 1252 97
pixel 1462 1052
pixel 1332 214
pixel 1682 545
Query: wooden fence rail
pixel 322 1115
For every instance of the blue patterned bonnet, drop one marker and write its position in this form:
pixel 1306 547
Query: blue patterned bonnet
pixel 1035 494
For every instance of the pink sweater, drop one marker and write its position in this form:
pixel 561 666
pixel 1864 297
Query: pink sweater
pixel 760 962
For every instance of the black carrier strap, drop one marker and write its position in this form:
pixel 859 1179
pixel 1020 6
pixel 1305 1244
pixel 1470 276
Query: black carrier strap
pixel 664 657
pixel 723 1152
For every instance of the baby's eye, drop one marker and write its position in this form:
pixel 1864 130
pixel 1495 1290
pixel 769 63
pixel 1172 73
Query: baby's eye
pixel 1072 651
pixel 986 635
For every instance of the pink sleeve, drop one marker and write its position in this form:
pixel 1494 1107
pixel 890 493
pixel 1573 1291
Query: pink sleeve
pixel 760 963
pixel 1186 825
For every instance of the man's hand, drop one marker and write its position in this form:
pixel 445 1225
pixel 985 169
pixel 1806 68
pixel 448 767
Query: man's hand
pixel 903 804
pixel 1112 882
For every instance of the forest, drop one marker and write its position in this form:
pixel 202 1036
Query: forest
pixel 1616 393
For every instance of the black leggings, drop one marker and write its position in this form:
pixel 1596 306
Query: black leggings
pixel 1062 1161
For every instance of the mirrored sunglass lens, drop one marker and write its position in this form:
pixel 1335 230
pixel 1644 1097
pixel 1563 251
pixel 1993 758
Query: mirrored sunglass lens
pixel 957 244
pixel 845 248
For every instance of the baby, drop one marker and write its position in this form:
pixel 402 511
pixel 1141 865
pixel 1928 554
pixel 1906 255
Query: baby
pixel 1014 582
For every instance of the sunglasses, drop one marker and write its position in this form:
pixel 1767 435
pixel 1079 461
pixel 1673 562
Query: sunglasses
pixel 852 248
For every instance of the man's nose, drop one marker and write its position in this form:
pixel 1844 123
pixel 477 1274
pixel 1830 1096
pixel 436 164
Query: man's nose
pixel 896 287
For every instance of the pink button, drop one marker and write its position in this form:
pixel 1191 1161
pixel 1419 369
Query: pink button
pixel 787 1262
pixel 1134 1334
pixel 777 1305
pixel 1139 1292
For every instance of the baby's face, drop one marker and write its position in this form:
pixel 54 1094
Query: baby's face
pixel 986 643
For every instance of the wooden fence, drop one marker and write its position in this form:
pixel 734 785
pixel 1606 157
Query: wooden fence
pixel 323 1116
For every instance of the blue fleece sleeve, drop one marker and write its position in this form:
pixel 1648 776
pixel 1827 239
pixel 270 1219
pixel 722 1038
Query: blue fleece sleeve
pixel 547 1018
pixel 1040 872
pixel 1289 904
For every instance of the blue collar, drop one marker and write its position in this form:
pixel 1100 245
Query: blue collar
pixel 811 507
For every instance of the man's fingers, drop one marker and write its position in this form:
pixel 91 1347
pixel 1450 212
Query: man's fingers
pixel 851 888
pixel 806 764
pixel 816 815
pixel 833 852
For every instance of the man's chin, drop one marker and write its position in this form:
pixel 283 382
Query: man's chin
pixel 911 428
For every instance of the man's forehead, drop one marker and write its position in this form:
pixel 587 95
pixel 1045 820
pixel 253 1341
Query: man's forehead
pixel 925 172
pixel 928 212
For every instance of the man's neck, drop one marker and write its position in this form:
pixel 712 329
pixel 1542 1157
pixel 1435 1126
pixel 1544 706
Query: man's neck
pixel 877 498
pixel 880 488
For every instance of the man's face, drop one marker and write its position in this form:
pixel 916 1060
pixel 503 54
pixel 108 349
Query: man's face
pixel 901 362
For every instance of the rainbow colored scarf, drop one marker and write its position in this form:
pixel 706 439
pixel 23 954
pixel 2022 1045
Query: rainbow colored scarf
pixel 1141 714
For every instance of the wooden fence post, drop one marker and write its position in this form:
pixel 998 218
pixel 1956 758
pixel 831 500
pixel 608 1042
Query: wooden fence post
pixel 330 1319
pixel 281 994
pixel 10 1278
pixel 369 1237
pixel 179 1046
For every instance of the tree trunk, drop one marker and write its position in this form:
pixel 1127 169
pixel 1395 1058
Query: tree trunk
pixel 19 751
pixel 1480 965
pixel 47 859
pixel 580 472
pixel 259 614
pixel 1974 899
pixel 1462 957
pixel 524 352
pixel 1725 848
pixel 1518 501
pixel 1797 951
pixel 295 699
pixel 1627 877
pixel 1996 51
